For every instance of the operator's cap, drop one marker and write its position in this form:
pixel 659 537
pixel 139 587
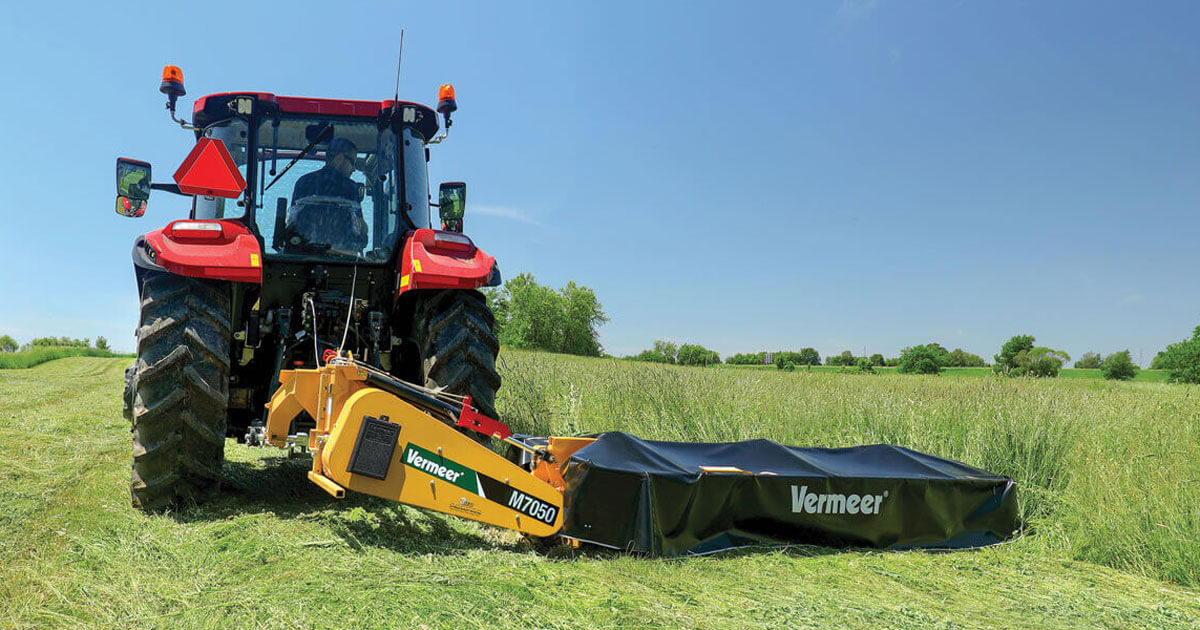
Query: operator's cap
pixel 338 146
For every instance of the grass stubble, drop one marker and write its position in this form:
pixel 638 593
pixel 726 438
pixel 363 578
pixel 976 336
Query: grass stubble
pixel 1109 477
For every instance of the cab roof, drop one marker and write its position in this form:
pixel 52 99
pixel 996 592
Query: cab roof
pixel 214 107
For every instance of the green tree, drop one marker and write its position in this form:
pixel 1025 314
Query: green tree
pixel 1159 361
pixel 877 360
pixel 809 356
pixel 101 343
pixel 926 359
pixel 8 344
pixel 694 354
pixel 866 365
pixel 533 314
pixel 746 359
pixel 962 358
pixel 1089 361
pixel 1118 366
pixel 650 356
pixel 529 315
pixel 845 358
pixel 663 352
pixel 581 317
pixel 1007 359
pixel 806 356
pixel 1041 362
pixel 667 349
pixel 1019 357
pixel 1181 360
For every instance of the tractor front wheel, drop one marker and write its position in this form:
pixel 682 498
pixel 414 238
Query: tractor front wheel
pixel 453 329
pixel 179 390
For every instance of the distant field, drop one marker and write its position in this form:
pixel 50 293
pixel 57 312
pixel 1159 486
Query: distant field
pixel 1108 475
pixel 37 356
pixel 1143 376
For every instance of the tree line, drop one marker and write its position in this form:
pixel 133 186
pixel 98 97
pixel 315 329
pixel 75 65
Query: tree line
pixel 8 344
pixel 1018 357
pixel 809 356
pixel 685 354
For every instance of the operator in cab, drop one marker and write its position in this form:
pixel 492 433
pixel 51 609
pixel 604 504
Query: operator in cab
pixel 326 204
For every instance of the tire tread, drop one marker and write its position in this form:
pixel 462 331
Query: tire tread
pixel 458 347
pixel 179 390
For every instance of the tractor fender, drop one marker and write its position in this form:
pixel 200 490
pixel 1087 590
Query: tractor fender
pixel 143 260
pixel 228 253
pixel 425 265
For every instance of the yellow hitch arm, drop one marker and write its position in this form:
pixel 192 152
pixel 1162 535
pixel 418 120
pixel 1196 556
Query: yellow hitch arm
pixel 369 440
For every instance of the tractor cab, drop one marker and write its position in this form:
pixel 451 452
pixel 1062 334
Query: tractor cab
pixel 325 179
pixel 312 179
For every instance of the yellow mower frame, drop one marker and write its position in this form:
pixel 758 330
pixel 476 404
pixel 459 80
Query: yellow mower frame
pixel 393 440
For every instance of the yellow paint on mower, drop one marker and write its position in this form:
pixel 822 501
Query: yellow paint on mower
pixel 369 440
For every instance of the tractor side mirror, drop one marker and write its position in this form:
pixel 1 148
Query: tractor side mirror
pixel 133 187
pixel 452 203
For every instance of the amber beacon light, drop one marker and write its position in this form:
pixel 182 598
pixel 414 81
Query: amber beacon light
pixel 446 104
pixel 172 86
pixel 172 82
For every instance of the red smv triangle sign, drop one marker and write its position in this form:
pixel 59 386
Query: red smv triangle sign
pixel 209 170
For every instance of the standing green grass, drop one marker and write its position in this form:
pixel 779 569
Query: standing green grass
pixel 1109 471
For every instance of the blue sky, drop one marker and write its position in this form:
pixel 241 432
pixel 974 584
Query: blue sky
pixel 749 176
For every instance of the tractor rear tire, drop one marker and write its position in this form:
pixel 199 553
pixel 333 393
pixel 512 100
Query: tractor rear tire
pixel 180 390
pixel 453 329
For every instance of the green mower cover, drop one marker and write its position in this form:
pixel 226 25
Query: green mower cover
pixel 673 498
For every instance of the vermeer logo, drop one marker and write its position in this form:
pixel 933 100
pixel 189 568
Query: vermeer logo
pixel 441 468
pixel 810 503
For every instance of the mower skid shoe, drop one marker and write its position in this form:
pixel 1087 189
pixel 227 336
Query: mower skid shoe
pixel 386 447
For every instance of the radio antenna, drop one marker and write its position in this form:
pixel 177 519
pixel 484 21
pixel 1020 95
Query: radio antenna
pixel 399 58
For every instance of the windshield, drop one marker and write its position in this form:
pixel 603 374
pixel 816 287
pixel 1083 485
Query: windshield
pixel 327 189
pixel 416 178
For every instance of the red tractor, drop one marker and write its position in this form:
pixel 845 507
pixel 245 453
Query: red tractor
pixel 309 237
